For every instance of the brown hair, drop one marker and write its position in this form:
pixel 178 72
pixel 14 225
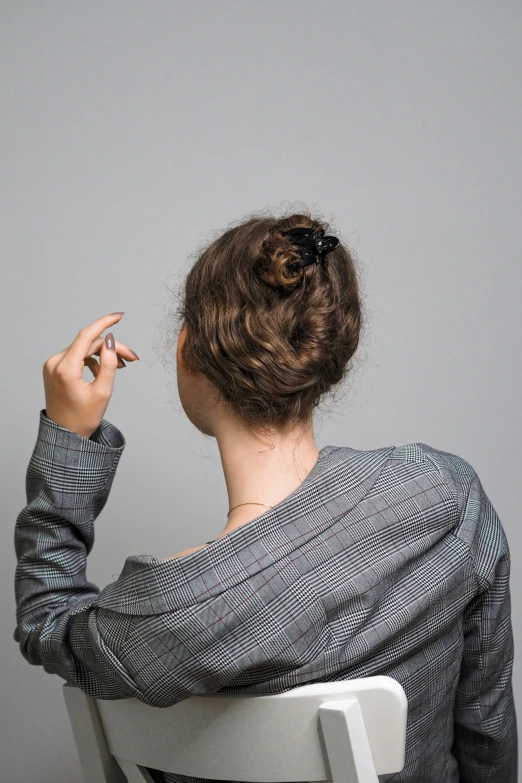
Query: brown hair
pixel 272 340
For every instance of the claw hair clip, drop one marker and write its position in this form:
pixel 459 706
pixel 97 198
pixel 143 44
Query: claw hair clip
pixel 313 246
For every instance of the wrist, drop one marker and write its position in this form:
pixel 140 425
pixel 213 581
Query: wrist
pixel 83 433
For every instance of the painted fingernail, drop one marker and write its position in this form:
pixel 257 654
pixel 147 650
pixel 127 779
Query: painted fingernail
pixel 122 364
pixel 109 341
pixel 119 312
pixel 133 353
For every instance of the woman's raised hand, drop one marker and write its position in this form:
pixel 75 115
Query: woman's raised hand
pixel 70 401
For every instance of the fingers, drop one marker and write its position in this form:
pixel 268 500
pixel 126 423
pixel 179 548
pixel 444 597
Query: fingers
pixel 80 347
pixel 94 366
pixel 103 385
pixel 121 349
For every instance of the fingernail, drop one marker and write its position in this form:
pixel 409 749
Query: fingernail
pixel 133 353
pixel 119 312
pixel 109 341
pixel 122 364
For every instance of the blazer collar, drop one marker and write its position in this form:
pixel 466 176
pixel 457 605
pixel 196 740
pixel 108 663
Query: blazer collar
pixel 339 480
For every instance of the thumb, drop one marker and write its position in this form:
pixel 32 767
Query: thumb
pixel 104 381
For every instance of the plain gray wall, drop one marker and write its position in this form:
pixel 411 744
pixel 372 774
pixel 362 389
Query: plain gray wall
pixel 131 131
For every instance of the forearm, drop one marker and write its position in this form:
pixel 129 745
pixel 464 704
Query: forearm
pixel 485 729
pixel 68 482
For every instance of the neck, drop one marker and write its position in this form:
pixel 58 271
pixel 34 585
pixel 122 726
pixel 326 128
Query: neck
pixel 262 470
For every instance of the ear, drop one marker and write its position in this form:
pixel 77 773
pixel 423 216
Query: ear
pixel 181 341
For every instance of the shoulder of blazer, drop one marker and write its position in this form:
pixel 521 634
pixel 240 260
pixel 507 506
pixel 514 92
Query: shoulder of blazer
pixel 456 474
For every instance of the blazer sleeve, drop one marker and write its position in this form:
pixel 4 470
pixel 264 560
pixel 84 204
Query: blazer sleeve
pixel 68 481
pixel 485 726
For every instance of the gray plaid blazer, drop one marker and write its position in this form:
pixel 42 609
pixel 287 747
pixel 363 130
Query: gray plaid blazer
pixel 390 561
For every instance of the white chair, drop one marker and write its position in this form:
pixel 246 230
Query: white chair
pixel 347 731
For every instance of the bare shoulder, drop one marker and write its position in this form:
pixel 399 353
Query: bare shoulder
pixel 184 552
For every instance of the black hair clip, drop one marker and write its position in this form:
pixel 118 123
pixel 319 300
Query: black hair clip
pixel 313 244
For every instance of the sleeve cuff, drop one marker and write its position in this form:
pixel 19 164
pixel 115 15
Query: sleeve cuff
pixel 106 436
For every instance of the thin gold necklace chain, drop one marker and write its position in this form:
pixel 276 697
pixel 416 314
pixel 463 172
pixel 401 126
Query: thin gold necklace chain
pixel 249 503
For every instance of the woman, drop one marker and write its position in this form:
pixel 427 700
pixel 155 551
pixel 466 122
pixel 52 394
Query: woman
pixel 333 564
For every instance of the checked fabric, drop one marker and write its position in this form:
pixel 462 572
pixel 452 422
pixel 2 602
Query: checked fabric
pixel 390 561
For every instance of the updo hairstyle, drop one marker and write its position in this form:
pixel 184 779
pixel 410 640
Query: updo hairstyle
pixel 271 338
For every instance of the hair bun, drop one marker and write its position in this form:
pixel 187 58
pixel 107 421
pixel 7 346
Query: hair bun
pixel 271 335
pixel 288 249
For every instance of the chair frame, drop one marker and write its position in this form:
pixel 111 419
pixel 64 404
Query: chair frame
pixel 347 731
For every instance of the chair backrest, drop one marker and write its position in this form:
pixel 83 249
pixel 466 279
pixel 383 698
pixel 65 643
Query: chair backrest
pixel 347 731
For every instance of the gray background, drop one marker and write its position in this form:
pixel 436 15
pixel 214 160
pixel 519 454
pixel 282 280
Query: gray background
pixel 133 131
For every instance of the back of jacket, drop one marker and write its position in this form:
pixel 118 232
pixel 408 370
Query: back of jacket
pixel 391 561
